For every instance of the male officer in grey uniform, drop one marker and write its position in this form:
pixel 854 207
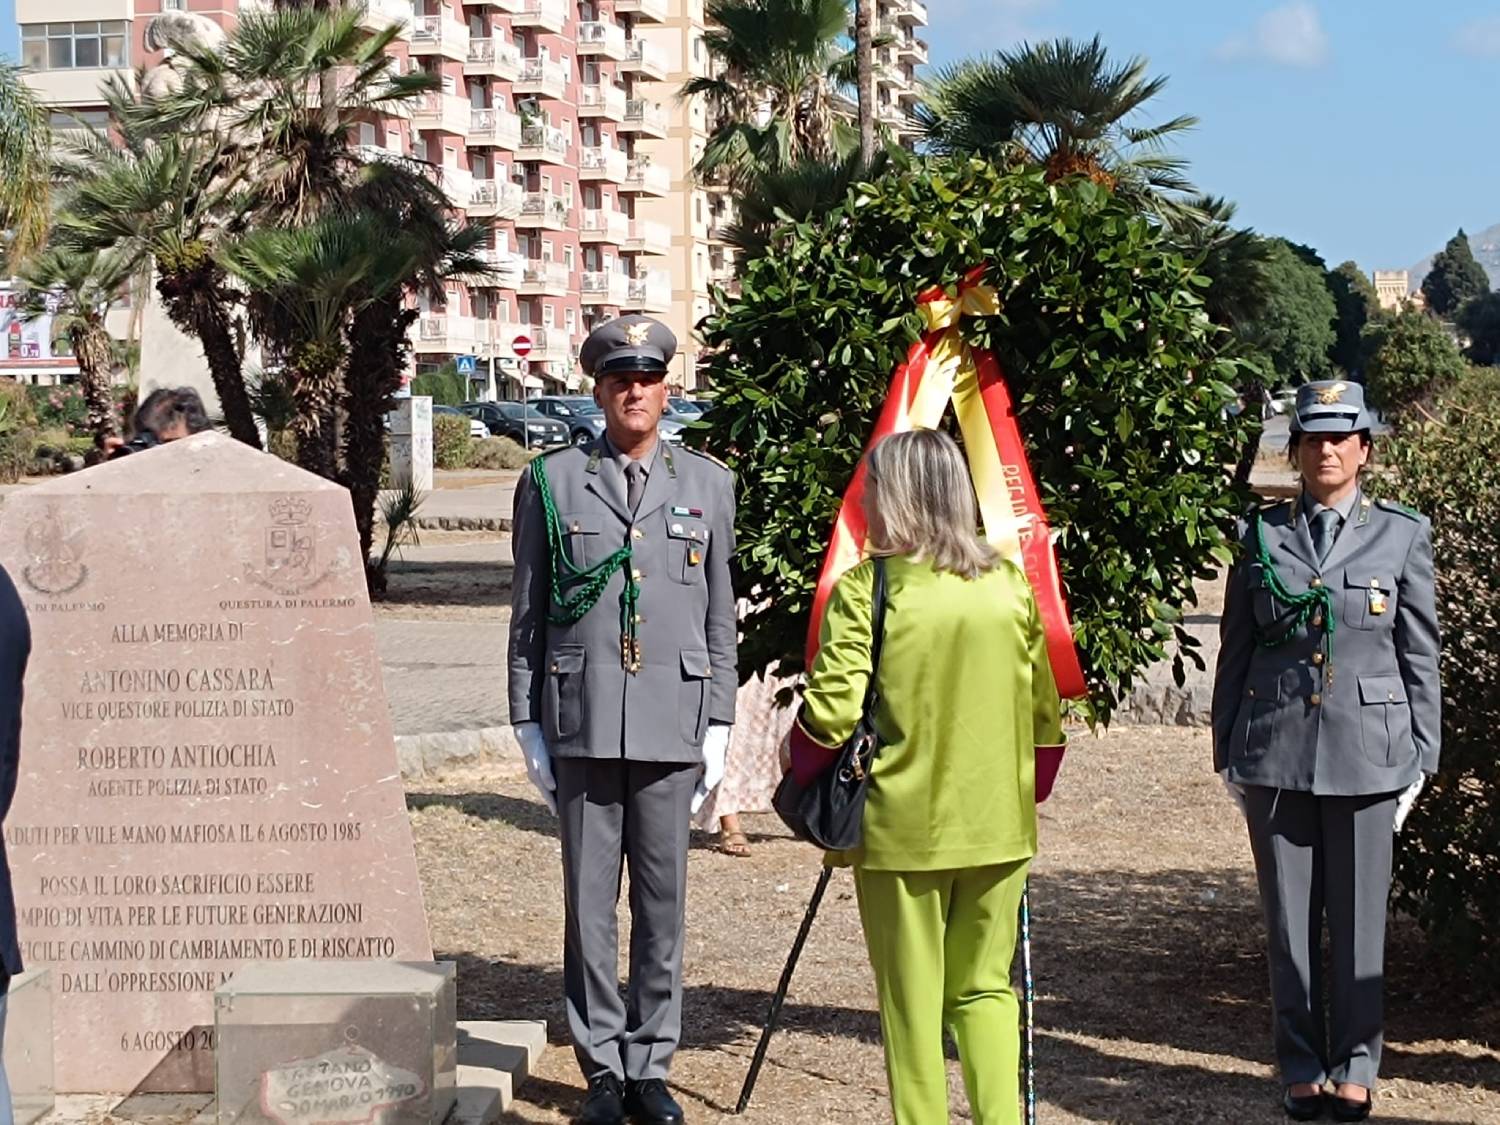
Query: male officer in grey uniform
pixel 622 690
pixel 1326 719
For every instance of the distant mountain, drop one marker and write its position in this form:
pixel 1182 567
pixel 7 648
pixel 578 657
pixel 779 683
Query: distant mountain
pixel 1486 247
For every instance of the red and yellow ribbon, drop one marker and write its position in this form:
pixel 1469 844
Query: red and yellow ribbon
pixel 942 368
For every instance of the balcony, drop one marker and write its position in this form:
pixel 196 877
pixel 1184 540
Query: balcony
pixel 646 118
pixel 543 142
pixel 910 98
pixel 909 11
pixel 605 226
pixel 494 58
pixel 377 15
pixel 457 185
pixel 646 178
pixel 446 334
pixel 602 40
pixel 645 60
pixel 912 50
pixel 600 101
pixel 494 128
pixel 542 77
pixel 652 293
pixel 649 11
pixel 506 271
pixel 602 163
pixel 605 288
pixel 439 36
pixel 542 210
pixel 648 237
pixel 544 15
pixel 498 199
pixel 544 279
pixel 447 112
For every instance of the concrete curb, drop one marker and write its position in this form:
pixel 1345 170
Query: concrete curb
pixel 463 523
pixel 428 757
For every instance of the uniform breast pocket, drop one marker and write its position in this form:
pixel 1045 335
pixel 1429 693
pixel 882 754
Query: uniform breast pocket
pixel 1385 719
pixel 1369 599
pixel 562 695
pixel 1255 729
pixel 583 539
pixel 687 548
pixel 1266 607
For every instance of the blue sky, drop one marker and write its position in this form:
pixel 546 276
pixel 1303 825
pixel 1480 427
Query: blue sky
pixel 1313 114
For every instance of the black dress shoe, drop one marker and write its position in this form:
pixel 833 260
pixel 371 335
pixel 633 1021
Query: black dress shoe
pixel 648 1103
pixel 1347 1110
pixel 1303 1107
pixel 605 1104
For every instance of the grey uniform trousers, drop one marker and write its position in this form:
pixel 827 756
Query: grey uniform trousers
pixel 614 811
pixel 1316 858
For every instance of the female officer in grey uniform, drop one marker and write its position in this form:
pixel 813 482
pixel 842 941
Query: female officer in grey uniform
pixel 1325 723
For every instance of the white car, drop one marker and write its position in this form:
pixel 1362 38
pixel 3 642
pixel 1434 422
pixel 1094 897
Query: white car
pixel 477 429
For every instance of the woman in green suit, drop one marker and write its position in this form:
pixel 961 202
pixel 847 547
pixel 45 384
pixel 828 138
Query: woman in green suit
pixel 966 695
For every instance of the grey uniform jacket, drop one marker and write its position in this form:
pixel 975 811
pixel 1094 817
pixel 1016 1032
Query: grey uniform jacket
pixel 570 678
pixel 1277 720
pixel 15 649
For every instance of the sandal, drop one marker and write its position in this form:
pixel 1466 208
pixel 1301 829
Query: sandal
pixel 736 844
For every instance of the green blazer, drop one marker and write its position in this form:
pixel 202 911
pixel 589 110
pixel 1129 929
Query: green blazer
pixel 966 695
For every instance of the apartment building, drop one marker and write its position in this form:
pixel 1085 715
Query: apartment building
pixel 897 89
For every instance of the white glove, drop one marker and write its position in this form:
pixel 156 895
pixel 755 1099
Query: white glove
pixel 538 762
pixel 1407 799
pixel 715 749
pixel 1236 792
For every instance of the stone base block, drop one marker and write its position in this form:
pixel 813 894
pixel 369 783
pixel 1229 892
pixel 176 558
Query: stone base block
pixel 28 1045
pixel 330 1042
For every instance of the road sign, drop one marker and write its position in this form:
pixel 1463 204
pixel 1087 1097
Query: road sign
pixel 466 365
pixel 521 345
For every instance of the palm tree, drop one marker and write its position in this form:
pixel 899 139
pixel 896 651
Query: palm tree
pixel 168 200
pixel 864 56
pixel 25 168
pixel 795 194
pixel 77 289
pixel 772 102
pixel 1232 258
pixel 1064 105
pixel 303 283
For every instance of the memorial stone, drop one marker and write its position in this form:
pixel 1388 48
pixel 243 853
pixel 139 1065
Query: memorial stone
pixel 208 773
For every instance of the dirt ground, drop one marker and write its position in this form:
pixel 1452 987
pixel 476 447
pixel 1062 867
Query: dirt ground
pixel 1151 989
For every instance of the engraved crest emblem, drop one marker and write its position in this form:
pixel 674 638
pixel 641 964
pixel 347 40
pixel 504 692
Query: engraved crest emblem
pixel 290 546
pixel 637 335
pixel 1327 396
pixel 54 556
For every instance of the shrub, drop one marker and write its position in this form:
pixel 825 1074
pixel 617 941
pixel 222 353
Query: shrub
pixel 18 434
pixel 451 443
pixel 60 407
pixel 1118 377
pixel 445 386
pixel 1410 357
pixel 499 453
pixel 1446 875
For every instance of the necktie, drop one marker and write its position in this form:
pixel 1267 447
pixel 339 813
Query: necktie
pixel 635 484
pixel 1325 529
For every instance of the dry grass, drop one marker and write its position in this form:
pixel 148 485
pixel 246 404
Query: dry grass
pixel 1151 981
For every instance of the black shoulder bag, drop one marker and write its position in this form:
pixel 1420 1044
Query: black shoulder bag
pixel 830 812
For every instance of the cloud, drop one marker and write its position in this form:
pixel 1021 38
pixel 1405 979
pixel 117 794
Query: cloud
pixel 1291 35
pixel 1480 38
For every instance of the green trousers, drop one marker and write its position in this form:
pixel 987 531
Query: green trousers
pixel 941 944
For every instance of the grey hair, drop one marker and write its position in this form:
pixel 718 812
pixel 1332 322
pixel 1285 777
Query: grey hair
pixel 920 502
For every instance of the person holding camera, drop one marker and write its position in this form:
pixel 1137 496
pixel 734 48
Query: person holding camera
pixel 167 414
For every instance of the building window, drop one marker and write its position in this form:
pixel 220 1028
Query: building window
pixel 571 319
pixel 79 119
pixel 697 48
pixel 568 258
pixel 75 46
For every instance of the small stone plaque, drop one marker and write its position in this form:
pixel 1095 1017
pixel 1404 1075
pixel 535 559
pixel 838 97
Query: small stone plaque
pixel 208 773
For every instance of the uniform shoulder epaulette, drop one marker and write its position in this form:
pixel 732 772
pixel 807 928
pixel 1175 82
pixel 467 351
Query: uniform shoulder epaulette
pixel 1400 509
pixel 706 457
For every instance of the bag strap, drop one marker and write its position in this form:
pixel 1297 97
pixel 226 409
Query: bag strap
pixel 877 635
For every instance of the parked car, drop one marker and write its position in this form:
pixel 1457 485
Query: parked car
pixel 581 414
pixel 684 408
pixel 477 429
pixel 520 423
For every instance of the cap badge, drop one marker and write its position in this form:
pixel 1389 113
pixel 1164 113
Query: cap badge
pixel 1327 396
pixel 636 335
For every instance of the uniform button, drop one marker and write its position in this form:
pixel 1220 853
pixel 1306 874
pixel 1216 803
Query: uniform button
pixel 1374 583
pixel 1315 583
pixel 1251 693
pixel 1318 619
pixel 636 533
pixel 638 574
pixel 554 667
pixel 575 526
pixel 677 529
pixel 639 620
pixel 1317 658
pixel 1390 695
pixel 1315 699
